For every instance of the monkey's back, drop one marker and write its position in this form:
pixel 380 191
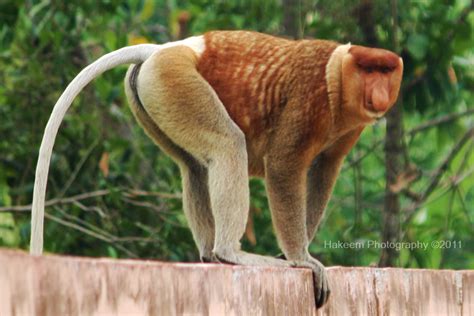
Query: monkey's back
pixel 247 70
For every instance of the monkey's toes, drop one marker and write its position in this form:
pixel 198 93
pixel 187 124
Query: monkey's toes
pixel 320 280
pixel 209 259
pixel 321 289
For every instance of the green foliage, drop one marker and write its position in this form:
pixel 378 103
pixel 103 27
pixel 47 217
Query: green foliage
pixel 100 148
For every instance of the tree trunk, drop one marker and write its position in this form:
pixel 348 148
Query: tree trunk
pixel 394 163
pixel 393 149
pixel 291 23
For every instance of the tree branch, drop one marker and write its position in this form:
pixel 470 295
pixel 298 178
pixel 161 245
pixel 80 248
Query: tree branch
pixel 439 120
pixel 422 127
pixel 90 233
pixel 78 168
pixel 55 201
pixel 444 165
pixel 435 179
pixel 149 205
pixel 134 193
pixel 76 198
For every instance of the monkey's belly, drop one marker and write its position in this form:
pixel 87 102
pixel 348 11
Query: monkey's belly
pixel 256 165
pixel 256 150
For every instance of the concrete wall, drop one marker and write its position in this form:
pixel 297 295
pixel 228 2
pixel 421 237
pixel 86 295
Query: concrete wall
pixel 56 285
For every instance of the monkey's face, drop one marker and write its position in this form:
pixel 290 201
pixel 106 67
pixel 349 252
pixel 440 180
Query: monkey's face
pixel 371 80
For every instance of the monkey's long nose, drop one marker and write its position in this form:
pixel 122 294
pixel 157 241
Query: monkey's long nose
pixel 380 99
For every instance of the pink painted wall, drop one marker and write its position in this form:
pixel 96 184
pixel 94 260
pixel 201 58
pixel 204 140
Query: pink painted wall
pixel 57 285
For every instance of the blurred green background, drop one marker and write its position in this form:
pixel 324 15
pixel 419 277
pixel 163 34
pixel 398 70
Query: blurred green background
pixel 111 192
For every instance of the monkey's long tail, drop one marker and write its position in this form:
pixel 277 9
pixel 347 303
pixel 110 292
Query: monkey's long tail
pixel 127 55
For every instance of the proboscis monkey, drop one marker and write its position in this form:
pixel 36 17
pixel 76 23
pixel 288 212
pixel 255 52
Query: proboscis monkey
pixel 232 104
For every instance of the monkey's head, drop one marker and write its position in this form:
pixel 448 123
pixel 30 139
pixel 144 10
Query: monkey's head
pixel 371 80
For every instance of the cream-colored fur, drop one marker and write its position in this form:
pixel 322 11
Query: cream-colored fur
pixel 333 77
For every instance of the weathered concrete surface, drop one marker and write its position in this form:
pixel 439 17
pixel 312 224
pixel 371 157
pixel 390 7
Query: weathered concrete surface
pixel 391 291
pixel 55 285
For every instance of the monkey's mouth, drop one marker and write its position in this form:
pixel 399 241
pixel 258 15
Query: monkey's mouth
pixel 371 111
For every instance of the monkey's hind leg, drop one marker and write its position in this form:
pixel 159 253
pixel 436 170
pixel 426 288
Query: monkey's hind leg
pixel 189 112
pixel 197 207
pixel 196 202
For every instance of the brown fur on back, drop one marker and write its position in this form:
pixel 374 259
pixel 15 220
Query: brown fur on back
pixel 256 76
pixel 247 70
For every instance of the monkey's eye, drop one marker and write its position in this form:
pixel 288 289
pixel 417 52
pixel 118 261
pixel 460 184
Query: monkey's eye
pixel 385 70
pixel 369 70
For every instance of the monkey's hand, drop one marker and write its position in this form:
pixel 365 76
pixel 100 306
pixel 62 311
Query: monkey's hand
pixel 320 280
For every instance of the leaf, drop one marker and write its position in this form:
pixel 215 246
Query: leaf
pixel 9 233
pixel 5 198
pixel 452 75
pixel 405 178
pixel 136 39
pixel 148 9
pixel 104 164
pixel 417 45
pixel 112 252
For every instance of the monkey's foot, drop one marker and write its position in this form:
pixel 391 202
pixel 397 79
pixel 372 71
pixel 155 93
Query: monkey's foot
pixel 209 259
pixel 249 259
pixel 320 280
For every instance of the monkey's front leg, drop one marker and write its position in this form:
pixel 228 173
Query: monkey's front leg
pixel 322 176
pixel 286 187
